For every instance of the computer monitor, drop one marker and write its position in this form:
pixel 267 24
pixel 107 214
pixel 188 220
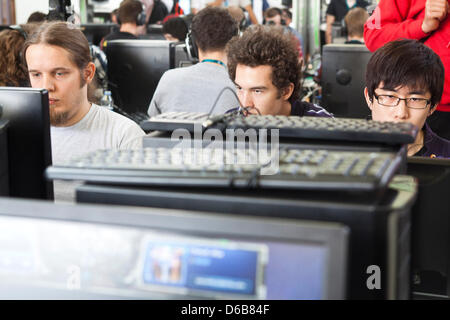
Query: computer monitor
pixel 95 252
pixel 29 148
pixel 134 70
pixel 343 79
pixel 154 32
pixel 379 227
pixel 95 32
pixel 181 57
pixel 431 228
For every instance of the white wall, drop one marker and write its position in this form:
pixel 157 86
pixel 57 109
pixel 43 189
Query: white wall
pixel 26 7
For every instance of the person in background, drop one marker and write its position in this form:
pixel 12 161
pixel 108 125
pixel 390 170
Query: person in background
pixel 37 17
pixel 58 60
pixel 336 11
pixel 273 17
pixel 197 5
pixel 405 81
pixel 175 29
pixel 424 20
pixel 196 88
pixel 238 14
pixel 114 15
pixel 129 11
pixel 264 66
pixel 13 72
pixel 354 22
pixel 245 4
pixel 287 17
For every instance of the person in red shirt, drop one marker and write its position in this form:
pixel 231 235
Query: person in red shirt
pixel 424 20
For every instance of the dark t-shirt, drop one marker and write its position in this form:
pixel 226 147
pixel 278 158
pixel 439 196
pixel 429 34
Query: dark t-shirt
pixel 305 109
pixel 339 8
pixel 353 42
pixel 433 145
pixel 118 35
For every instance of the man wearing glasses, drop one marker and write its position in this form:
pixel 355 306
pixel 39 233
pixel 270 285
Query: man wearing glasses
pixel 405 81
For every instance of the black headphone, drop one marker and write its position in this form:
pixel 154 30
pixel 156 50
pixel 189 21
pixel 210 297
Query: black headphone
pixel 19 28
pixel 191 47
pixel 243 24
pixel 141 18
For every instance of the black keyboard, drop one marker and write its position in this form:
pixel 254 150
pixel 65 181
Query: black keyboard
pixel 245 168
pixel 343 129
pixel 138 117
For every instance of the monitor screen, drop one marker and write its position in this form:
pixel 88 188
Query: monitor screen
pixel 29 147
pixel 343 80
pixel 134 70
pixel 167 254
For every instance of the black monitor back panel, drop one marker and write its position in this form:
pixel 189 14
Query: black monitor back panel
pixel 154 32
pixel 431 227
pixel 4 177
pixel 29 146
pixel 379 228
pixel 134 70
pixel 343 80
pixel 95 32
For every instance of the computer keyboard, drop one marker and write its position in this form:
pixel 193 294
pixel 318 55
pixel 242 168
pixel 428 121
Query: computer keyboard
pixel 343 129
pixel 245 168
pixel 171 121
pixel 138 117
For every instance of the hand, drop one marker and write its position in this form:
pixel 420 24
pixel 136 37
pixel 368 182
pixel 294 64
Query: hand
pixel 435 12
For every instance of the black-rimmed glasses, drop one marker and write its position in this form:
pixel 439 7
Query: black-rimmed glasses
pixel 392 101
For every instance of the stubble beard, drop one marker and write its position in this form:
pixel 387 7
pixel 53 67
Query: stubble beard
pixel 58 118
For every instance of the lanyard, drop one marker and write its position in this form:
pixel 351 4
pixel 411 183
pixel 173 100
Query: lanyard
pixel 215 61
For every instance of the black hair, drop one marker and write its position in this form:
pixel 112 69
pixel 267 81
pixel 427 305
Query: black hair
pixel 176 27
pixel 406 63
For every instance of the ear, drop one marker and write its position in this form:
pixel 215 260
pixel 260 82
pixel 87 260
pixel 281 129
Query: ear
pixel 287 92
pixel 368 101
pixel 432 109
pixel 89 72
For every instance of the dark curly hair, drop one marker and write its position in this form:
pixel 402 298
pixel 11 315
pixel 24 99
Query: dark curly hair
pixel 12 69
pixel 262 45
pixel 212 28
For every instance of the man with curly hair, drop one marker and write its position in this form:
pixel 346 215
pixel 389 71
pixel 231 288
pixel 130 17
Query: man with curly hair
pixel 197 87
pixel 265 68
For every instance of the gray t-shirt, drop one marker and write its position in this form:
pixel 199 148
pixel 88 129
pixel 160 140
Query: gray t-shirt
pixel 193 89
pixel 99 129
